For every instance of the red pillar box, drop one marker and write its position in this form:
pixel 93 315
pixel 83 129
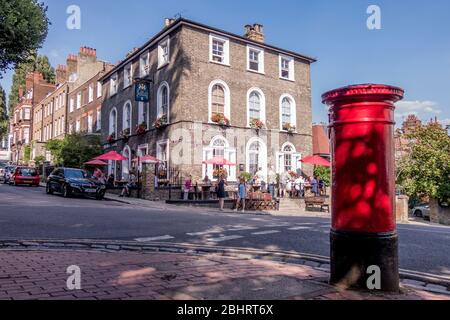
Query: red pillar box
pixel 364 232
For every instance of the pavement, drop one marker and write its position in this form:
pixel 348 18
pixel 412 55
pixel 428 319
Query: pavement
pixel 43 275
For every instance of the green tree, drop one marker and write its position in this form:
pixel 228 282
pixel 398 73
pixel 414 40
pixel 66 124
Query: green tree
pixel 324 173
pixel 33 63
pixel 26 153
pixel 23 29
pixel 74 150
pixel 3 114
pixel 425 172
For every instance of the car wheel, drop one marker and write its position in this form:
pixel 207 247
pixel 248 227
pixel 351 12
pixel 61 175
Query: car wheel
pixel 66 191
pixel 48 189
pixel 100 196
pixel 418 213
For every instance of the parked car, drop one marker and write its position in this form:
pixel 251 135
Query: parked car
pixel 422 211
pixel 25 175
pixel 9 170
pixel 69 181
pixel 2 170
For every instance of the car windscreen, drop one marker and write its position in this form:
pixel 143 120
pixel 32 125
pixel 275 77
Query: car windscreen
pixel 75 174
pixel 27 172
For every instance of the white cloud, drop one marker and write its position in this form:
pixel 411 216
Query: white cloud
pixel 417 106
pixel 444 122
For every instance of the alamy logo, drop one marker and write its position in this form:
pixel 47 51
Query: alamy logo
pixel 74 20
pixel 374 281
pixel 74 280
pixel 374 20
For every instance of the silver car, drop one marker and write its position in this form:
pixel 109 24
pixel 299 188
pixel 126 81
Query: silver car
pixel 421 211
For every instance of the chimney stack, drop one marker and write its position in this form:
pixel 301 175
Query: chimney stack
pixel 61 74
pixel 168 21
pixel 255 32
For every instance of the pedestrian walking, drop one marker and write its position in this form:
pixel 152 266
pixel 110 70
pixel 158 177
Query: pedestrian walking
pixel 242 194
pixel 221 194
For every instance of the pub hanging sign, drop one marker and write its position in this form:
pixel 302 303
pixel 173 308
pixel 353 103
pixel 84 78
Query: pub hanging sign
pixel 142 91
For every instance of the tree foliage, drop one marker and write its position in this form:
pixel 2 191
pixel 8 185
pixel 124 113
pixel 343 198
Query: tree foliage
pixel 23 29
pixel 74 150
pixel 426 171
pixel 33 63
pixel 324 173
pixel 3 114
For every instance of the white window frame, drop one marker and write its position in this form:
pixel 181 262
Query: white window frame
pixel 98 120
pixel 127 75
pixel 99 89
pixel 91 93
pixel 144 64
pixel 124 120
pixel 161 60
pixel 280 158
pixel 263 155
pixel 226 49
pixel 159 151
pixel 262 101
pixel 90 122
pixel 78 100
pixel 291 67
pixel 293 111
pixel 159 100
pixel 78 125
pixel 227 108
pixel 260 59
pixel 71 105
pixel 230 154
pixel 126 164
pixel 113 84
pixel 112 128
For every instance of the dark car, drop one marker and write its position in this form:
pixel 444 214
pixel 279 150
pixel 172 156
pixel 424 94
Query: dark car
pixel 25 175
pixel 68 181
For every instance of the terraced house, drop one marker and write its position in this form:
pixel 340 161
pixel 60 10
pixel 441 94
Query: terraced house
pixel 212 94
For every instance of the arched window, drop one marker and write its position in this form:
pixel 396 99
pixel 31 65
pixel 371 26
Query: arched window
pixel 288 157
pixel 253 153
pixel 126 164
pixel 218 99
pixel 219 147
pixel 127 116
pixel 255 106
pixel 287 112
pixel 113 122
pixel 164 100
pixel 257 157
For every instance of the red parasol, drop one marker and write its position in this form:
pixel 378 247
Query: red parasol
pixel 112 155
pixel 316 160
pixel 218 161
pixel 95 162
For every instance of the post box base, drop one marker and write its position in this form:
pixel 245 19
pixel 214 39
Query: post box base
pixel 352 255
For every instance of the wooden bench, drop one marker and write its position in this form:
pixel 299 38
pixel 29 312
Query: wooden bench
pixel 312 202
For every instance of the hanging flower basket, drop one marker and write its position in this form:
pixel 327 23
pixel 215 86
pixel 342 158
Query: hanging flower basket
pixel 220 119
pixel 141 128
pixel 220 172
pixel 160 122
pixel 111 137
pixel 125 133
pixel 289 128
pixel 256 124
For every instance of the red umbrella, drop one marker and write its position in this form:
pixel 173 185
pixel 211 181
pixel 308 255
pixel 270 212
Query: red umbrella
pixel 316 160
pixel 147 158
pixel 96 163
pixel 112 155
pixel 219 161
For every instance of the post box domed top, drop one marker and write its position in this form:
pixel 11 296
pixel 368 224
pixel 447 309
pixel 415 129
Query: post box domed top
pixel 369 92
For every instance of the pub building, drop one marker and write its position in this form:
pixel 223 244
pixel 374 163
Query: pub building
pixel 194 92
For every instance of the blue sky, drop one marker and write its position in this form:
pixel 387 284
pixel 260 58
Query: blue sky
pixel 412 50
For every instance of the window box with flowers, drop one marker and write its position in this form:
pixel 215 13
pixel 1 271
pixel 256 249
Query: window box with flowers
pixel 256 124
pixel 161 122
pixel 125 133
pixel 220 119
pixel 111 138
pixel 218 172
pixel 141 128
pixel 289 128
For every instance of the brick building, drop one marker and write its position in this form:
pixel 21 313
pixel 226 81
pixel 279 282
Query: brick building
pixel 321 141
pixel 21 124
pixel 53 116
pixel 210 91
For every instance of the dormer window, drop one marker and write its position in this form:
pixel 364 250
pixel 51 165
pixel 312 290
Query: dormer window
pixel 127 76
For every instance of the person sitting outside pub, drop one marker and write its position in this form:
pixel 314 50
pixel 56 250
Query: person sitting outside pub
pixel 131 184
pixel 110 181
